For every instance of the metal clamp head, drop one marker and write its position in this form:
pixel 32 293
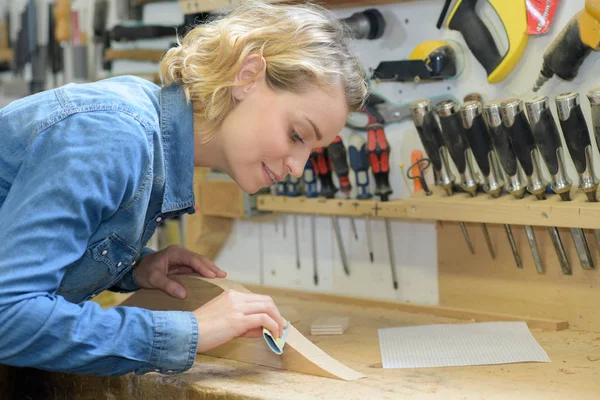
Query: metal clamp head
pixel 509 110
pixel 446 108
pixel 565 102
pixel 469 111
pixel 594 96
pixel 491 113
pixel 419 109
pixel 535 106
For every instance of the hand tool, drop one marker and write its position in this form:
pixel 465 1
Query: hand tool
pixel 367 24
pixel 6 53
pixel 323 169
pixel 545 132
pixel 378 151
pixel 521 137
pixel 430 61
pixel 430 133
pixel 293 190
pixel 99 30
pixel 442 16
pixel 55 54
pixel 124 33
pixel 339 159
pixel 419 166
pixel 80 53
pixel 310 190
pixel 359 163
pixel 476 34
pixel 512 169
pixel 281 190
pixel 385 112
pixel 573 44
pixel 62 34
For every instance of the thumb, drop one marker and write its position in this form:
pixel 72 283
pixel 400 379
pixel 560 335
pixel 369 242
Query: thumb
pixel 170 287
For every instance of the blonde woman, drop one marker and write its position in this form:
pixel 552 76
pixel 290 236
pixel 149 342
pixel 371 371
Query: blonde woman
pixel 88 171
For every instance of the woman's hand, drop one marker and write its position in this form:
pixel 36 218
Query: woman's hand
pixel 234 314
pixel 154 269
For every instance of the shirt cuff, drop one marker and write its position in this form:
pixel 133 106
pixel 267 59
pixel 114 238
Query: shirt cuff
pixel 174 344
pixel 127 283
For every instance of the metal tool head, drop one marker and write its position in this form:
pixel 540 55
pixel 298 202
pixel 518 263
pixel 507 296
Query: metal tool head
pixel 535 106
pixel 491 113
pixel 418 110
pixel 469 111
pixel 594 96
pixel 509 110
pixel 446 108
pixel 565 102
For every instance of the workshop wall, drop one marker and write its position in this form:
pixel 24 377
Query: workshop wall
pixel 258 251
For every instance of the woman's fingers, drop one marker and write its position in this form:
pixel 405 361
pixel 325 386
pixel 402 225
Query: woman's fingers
pixel 160 281
pixel 262 320
pixel 199 263
pixel 268 308
pixel 253 333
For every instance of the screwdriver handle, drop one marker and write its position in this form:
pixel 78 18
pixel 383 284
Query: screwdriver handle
pixel 310 179
pixel 545 131
pixel 500 139
pixel 323 170
pixel 62 15
pixel 574 128
pixel 378 151
pixel 293 186
pixel 339 159
pixel 281 188
pixel 359 162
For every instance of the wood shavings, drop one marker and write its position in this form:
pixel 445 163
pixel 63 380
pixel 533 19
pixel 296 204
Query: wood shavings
pixel 593 358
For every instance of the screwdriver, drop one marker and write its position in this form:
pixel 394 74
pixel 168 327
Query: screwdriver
pixel 310 190
pixel 323 168
pixel 455 140
pixel 521 137
pixel 577 136
pixel 292 184
pixel 545 132
pixel 359 163
pixel 378 151
pixel 512 169
pixel 281 190
pixel 339 159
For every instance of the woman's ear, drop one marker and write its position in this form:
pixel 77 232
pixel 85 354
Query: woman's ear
pixel 251 73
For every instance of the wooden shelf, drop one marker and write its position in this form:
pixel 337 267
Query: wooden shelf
pixel 460 207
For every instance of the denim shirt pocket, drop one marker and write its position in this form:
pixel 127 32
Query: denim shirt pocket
pixel 114 252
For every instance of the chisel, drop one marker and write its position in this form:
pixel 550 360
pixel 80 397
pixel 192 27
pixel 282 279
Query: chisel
pixel 545 132
pixel 281 190
pixel 359 163
pixel 456 142
pixel 310 190
pixel 521 137
pixel 339 159
pixel 293 184
pixel 512 169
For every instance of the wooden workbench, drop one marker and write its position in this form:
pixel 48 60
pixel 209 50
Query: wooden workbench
pixel 572 374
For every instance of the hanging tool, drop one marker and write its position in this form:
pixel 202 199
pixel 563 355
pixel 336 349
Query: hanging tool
pixel 512 169
pixel 367 24
pixel 430 61
pixel 359 163
pixel 309 177
pixel 573 44
pixel 378 151
pixel 293 190
pixel 545 132
pixel 456 142
pixel 339 159
pixel 55 53
pixel 419 166
pixel 320 156
pixel 476 34
pixel 281 190
pixel 521 137
pixel 430 134
pixel 62 34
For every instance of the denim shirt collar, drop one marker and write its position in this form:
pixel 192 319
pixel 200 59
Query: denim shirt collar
pixel 177 133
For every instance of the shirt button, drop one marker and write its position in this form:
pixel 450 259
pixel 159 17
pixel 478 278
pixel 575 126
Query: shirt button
pixel 104 252
pixel 94 295
pixel 119 264
pixel 133 263
pixel 158 219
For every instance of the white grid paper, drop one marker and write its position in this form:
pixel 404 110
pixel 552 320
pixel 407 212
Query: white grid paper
pixel 459 345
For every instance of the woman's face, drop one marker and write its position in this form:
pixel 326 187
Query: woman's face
pixel 270 134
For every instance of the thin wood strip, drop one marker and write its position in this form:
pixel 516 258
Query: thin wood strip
pixel 449 312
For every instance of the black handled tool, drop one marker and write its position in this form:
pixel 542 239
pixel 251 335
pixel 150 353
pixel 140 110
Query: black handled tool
pixel 339 159
pixel 456 141
pixel 430 134
pixel 547 138
pixel 577 137
pixel 508 160
pixel 594 99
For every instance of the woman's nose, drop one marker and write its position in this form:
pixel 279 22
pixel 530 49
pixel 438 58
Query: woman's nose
pixel 296 165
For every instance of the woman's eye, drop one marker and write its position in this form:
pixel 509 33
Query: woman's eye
pixel 296 138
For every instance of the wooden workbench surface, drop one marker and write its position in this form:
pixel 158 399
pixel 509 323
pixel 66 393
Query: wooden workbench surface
pixel 571 374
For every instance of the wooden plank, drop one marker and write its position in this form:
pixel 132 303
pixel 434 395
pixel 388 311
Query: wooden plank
pixel 481 284
pixel 448 312
pixel 220 198
pixel 299 355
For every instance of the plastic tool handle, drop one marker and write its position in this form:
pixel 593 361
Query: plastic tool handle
pixel 453 133
pixel 281 189
pixel 359 162
pixel 499 137
pixel 310 179
pixel 339 158
pixel 378 151
pixel 477 135
pixel 416 170
pixel 574 128
pixel 519 132
pixel 545 131
pixel 477 36
pixel 62 15
pixel 594 99
pixel 428 130
pixel 323 169
pixel 293 184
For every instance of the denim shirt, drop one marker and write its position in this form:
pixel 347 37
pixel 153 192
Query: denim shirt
pixel 87 171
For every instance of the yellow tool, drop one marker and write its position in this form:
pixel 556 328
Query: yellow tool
pixel 476 34
pixel 567 52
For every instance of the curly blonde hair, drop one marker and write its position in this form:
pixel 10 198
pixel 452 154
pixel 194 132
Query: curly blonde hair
pixel 302 44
